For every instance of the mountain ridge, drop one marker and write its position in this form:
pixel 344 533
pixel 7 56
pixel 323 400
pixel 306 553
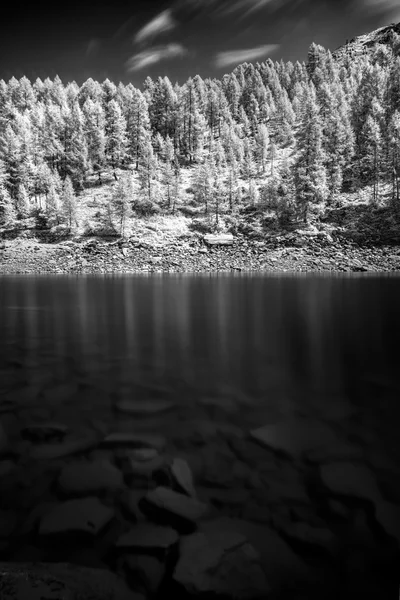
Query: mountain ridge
pixel 363 43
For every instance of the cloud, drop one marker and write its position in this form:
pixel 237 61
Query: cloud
pixel 386 9
pixel 246 7
pixel 160 24
pixel 93 47
pixel 221 8
pixel 232 57
pixel 153 56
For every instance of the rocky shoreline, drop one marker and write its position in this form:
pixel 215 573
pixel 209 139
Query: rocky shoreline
pixel 288 253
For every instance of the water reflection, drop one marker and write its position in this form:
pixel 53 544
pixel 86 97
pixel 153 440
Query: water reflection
pixel 281 337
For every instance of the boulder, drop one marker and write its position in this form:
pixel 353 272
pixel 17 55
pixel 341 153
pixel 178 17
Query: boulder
pixel 220 239
pixel 221 563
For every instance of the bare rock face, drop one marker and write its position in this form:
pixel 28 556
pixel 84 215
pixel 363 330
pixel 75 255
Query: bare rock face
pixel 59 581
pixel 221 563
pixel 220 239
pixel 367 42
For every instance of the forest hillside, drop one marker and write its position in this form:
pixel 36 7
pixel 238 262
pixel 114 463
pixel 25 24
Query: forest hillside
pixel 271 148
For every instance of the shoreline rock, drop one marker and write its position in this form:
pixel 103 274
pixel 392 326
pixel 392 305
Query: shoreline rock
pixel 293 252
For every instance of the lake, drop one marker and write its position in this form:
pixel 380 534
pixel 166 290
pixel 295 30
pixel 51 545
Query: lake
pixel 200 360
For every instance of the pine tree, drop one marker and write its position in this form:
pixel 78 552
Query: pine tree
pixel 394 128
pixel 310 173
pixel 121 201
pixel 7 208
pixel 203 182
pixel 262 145
pixel 116 141
pixel 138 125
pixel 22 202
pixel 149 193
pixel 94 130
pixel 53 205
pixel 68 200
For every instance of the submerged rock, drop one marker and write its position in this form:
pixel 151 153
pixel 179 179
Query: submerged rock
pixel 135 440
pixel 145 407
pixel 8 522
pixel 59 581
pixel 221 563
pixel 283 568
pixel 3 439
pixel 295 437
pixel 146 536
pixel 165 504
pixel 86 515
pixel 147 570
pixel 182 476
pixel 44 431
pixel 353 480
pixel 90 477
pixel 66 448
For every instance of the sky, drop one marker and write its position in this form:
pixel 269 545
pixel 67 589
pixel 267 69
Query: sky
pixel 127 42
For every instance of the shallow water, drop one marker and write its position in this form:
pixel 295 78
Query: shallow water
pixel 239 350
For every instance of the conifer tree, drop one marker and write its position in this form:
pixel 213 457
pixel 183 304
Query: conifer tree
pixel 94 129
pixel 7 207
pixel 262 145
pixel 116 141
pixel 22 202
pixel 310 173
pixel 69 205
pixel 53 205
pixel 121 200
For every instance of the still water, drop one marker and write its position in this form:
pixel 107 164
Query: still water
pixel 241 350
pixel 293 343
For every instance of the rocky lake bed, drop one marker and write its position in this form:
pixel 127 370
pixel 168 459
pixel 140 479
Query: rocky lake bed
pixel 145 499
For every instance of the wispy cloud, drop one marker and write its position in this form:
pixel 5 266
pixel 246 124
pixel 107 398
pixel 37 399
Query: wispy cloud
pixel 232 57
pixel 154 55
pixel 242 8
pixel 387 9
pixel 93 47
pixel 246 7
pixel 162 23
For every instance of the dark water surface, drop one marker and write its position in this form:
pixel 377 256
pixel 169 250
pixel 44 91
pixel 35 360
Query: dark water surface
pixel 241 350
